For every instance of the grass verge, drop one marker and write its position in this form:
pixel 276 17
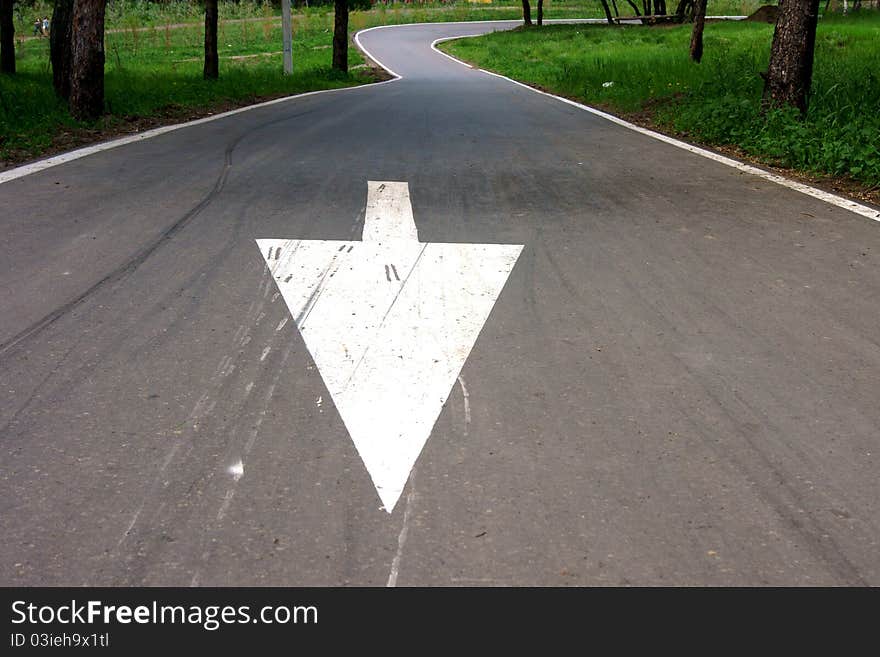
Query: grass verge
pixel 154 63
pixel 154 77
pixel 644 74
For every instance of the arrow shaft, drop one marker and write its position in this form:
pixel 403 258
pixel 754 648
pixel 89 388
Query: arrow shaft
pixel 389 214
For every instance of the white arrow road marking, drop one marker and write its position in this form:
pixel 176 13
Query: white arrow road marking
pixel 389 322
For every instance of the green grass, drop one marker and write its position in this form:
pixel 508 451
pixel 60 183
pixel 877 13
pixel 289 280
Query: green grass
pixel 158 72
pixel 716 102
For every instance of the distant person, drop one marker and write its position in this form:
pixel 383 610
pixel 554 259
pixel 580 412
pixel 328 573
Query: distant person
pixel 38 27
pixel 45 26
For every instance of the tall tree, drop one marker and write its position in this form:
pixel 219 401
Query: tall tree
pixel 7 38
pixel 340 35
pixel 540 12
pixel 684 8
pixel 697 32
pixel 790 73
pixel 527 12
pixel 212 58
pixel 87 72
pixel 60 44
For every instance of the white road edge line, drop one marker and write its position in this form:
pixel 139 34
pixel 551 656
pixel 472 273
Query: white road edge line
pixel 833 199
pixel 828 197
pixel 63 158
pixel 70 156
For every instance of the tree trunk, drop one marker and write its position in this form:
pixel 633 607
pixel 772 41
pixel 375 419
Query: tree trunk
pixel 60 43
pixel 7 38
pixel 540 12
pixel 527 12
pixel 87 73
pixel 697 32
pixel 340 36
pixel 685 9
pixel 212 58
pixel 607 12
pixel 682 9
pixel 790 72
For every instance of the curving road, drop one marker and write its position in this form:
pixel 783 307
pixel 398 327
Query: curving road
pixel 677 385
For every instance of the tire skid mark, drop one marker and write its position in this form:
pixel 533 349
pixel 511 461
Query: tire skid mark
pixel 128 267
pixel 203 407
pixel 237 469
pixel 206 405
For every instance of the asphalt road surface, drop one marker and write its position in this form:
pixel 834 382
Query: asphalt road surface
pixel 679 383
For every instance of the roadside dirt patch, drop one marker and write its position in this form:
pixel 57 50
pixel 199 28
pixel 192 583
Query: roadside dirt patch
pixel 764 14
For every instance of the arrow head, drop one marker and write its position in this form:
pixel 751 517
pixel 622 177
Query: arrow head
pixel 389 351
